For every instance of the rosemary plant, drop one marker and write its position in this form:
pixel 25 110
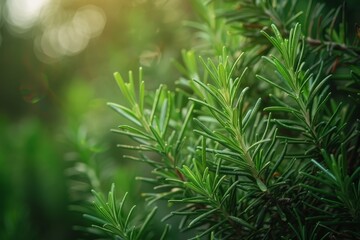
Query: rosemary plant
pixel 260 140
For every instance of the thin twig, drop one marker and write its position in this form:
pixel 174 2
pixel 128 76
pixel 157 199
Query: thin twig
pixel 333 45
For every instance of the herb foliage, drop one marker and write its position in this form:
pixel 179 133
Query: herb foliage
pixel 260 140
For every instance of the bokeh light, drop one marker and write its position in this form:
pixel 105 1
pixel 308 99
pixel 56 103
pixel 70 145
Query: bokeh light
pixel 23 14
pixel 69 33
pixel 58 31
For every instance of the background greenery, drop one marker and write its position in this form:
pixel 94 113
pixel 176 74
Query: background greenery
pixel 53 106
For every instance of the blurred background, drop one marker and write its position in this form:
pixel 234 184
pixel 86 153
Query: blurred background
pixel 57 59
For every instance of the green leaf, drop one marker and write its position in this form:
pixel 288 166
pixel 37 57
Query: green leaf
pixel 136 131
pixel 277 164
pixel 141 91
pixel 126 223
pixel 242 222
pixel 261 185
pixel 165 232
pixel 125 112
pixel 155 104
pixel 183 128
pixel 121 83
pixel 131 134
pixel 327 172
pixel 275 85
pixel 213 108
pixel 158 138
pixel 209 230
pixel 251 114
pixel 147 220
pixel 203 216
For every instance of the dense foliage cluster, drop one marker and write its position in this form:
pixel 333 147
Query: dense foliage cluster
pixel 260 139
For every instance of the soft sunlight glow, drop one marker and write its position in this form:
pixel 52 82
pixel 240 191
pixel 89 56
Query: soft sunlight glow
pixel 71 35
pixel 24 13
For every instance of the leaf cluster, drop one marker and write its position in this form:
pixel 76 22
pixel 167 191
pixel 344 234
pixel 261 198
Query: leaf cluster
pixel 232 162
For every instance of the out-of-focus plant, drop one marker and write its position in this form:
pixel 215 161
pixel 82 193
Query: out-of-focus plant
pixel 33 200
pixel 50 92
pixel 232 162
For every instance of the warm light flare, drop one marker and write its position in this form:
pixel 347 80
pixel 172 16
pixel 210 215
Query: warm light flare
pixel 72 35
pixel 23 14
